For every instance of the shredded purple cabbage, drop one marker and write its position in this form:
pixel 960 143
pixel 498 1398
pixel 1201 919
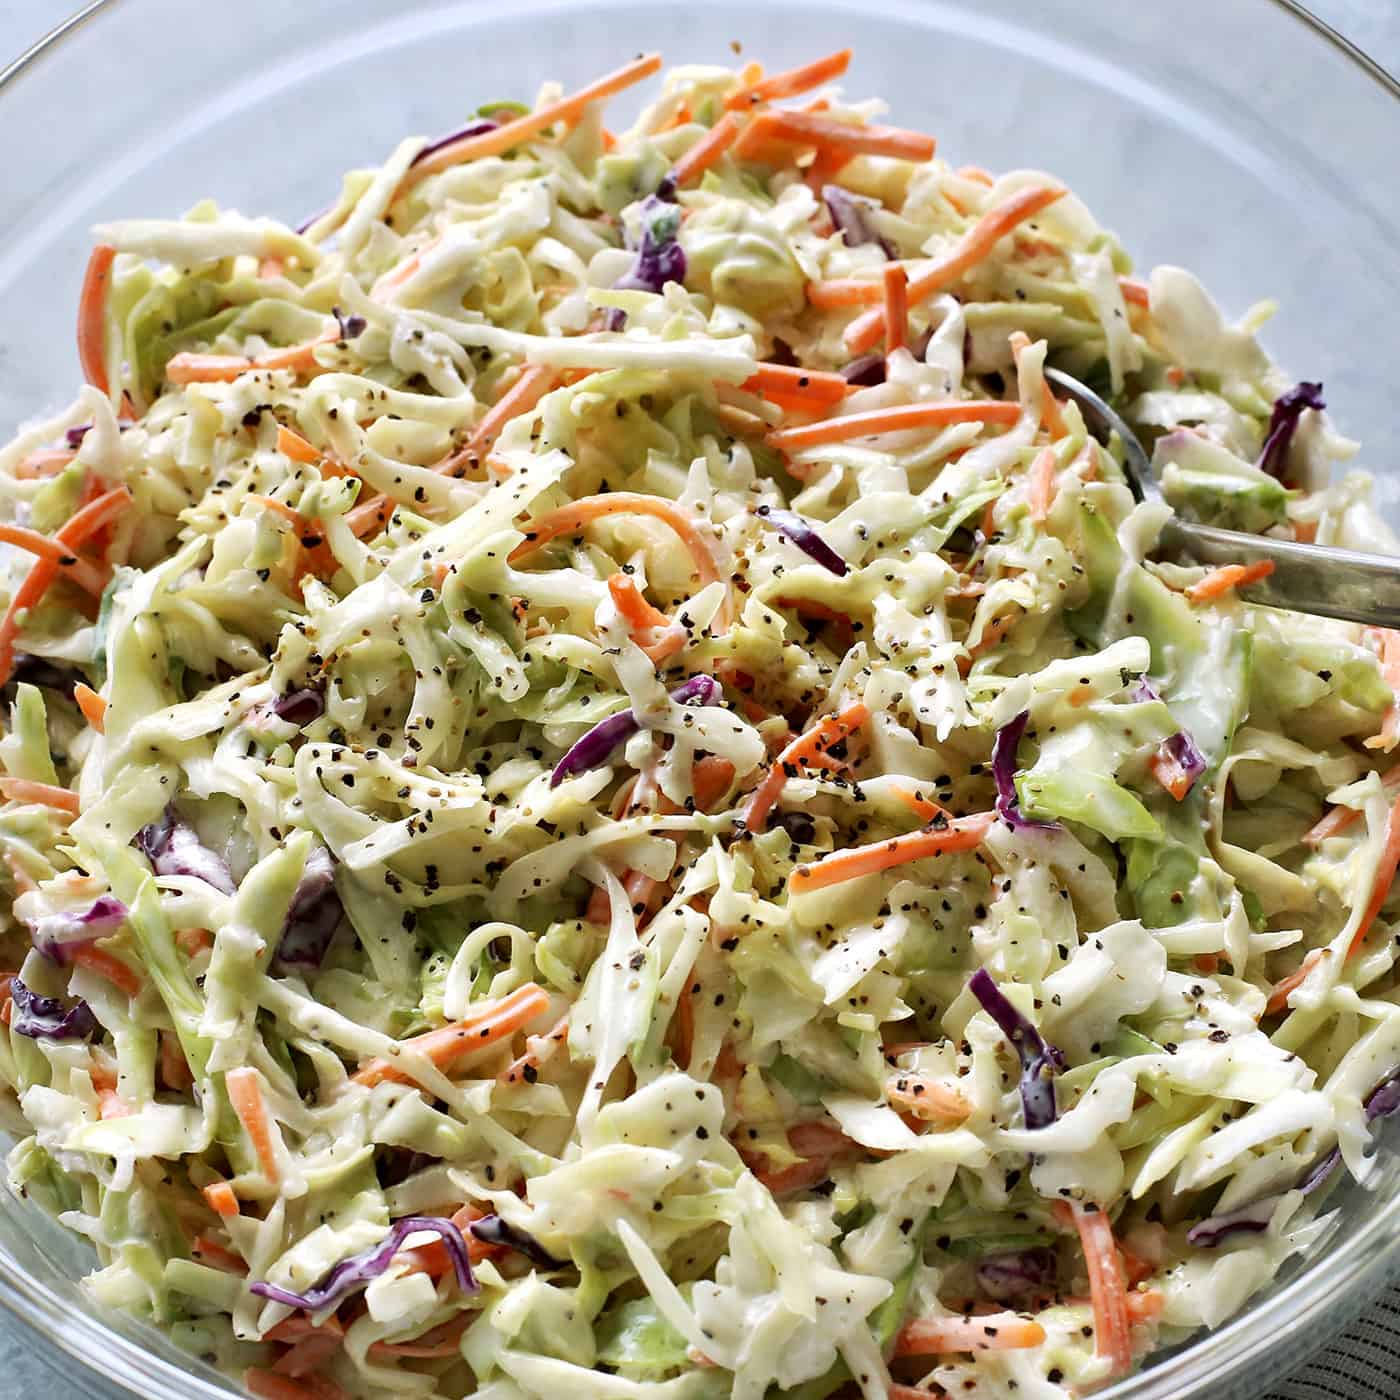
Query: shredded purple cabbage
pixel 1283 423
pixel 350 326
pixel 47 675
pixel 850 213
pixel 595 746
pixel 800 531
pixel 1181 746
pixel 1018 1276
pixel 37 1016
pixel 56 936
pixel 173 849
pixel 300 707
pixel 1004 774
pixel 660 258
pixel 1039 1059
pixel 361 1269
pixel 1252 1219
pixel 474 128
pixel 865 372
pixel 313 916
pixel 491 1229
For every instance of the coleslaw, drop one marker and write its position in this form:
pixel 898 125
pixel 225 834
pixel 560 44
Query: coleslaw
pixel 602 795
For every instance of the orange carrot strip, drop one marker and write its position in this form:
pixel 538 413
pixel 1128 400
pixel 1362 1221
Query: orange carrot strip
pixel 268 1385
pixel 512 133
pixel 1171 773
pixel 92 316
pixel 926 1098
pixel 976 174
pixel 814 387
pixel 93 706
pixel 974 247
pixel 896 307
pixel 46 461
pixel 198 367
pixel 1385 877
pixel 221 1199
pixel 482 1026
pixel 368 514
pixel 1108 1289
pixel 1002 1331
pixel 193 941
pixel 568 519
pixel 83 572
pixel 245 1094
pixel 1339 818
pixel 1135 293
pixel 960 834
pixel 174 1068
pixel 1286 986
pixel 808 128
pixel 217 1255
pixel 710 779
pixel 1388 644
pixel 534 382
pixel 438 1345
pixel 308 1355
pixel 892 420
pixel 919 804
pixel 45 794
pixel 667 638
pixel 791 83
pixel 1050 413
pixel 829 730
pixel 1222 580
pixel 108 966
pixel 293 445
pixel 538 1049
pixel 707 150
pixel 1042 485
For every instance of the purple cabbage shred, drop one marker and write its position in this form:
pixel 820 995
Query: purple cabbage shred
pixel 491 1229
pixel 57 936
pixel 850 214
pixel 597 745
pixel 47 675
pixel 1181 747
pixel 1004 749
pixel 37 1016
pixel 1283 423
pixel 1018 1276
pixel 803 534
pixel 363 1268
pixel 313 916
pixel 172 847
pixel 865 372
pixel 479 127
pixel 660 258
pixel 1039 1059
pixel 300 707
pixel 350 326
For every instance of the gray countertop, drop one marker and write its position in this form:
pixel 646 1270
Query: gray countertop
pixel 1364 1362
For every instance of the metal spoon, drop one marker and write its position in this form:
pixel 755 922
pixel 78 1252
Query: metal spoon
pixel 1308 578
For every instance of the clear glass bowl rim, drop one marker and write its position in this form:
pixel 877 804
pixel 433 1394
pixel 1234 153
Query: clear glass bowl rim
pixel 1332 1288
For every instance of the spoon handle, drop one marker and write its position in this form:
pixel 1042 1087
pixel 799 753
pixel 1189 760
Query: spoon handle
pixel 1325 581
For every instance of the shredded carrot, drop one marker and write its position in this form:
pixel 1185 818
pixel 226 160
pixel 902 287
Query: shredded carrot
pixel 1384 878
pixel 221 1199
pixel 193 941
pixel 438 1345
pixel 919 804
pixel 512 133
pixel 892 420
pixel 710 779
pixel 268 1385
pixel 1222 580
pixel 1002 1331
pixel 1305 531
pixel 92 317
pixel 1286 986
pixel 896 307
pixel 45 794
pixel 432 1258
pixel 46 461
pixel 828 731
pixel 844 628
pixel 791 83
pixel 245 1094
pixel 313 553
pixel 1050 413
pixel 368 514
pixel 218 1256
pixel 109 967
pixel 483 1025
pixel 651 629
pixel 198 367
pixel 538 1049
pixel 1042 485
pixel 926 1098
pixel 84 524
pixel 533 383
pixel 810 129
pixel 816 388
pixel 1171 773
pixel 308 1355
pixel 568 519
pixel 1339 818
pixel 707 150
pixel 960 834
pixel 1387 642
pixel 1135 293
pixel 93 706
pixel 1108 1289
pixel 292 444
pixel 973 248
pixel 1208 963
pixel 81 571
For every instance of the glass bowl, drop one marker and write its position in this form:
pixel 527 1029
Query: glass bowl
pixel 1241 139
